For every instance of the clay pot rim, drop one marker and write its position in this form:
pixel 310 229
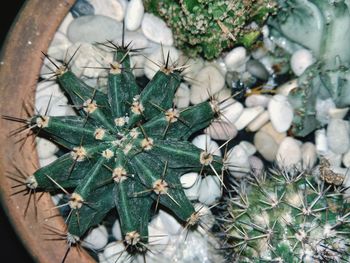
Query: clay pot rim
pixel 21 60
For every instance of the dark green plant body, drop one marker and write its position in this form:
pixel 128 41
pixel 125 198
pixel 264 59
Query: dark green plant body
pixel 289 218
pixel 127 149
pixel 209 27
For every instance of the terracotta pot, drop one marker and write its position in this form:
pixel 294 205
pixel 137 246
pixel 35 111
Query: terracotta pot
pixel 21 60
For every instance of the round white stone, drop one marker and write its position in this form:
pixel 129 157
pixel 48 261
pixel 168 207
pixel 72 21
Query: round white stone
pixel 207 82
pixel 265 145
pixel 182 96
pixel 48 88
pixel 321 141
pixel 277 136
pixel 235 60
pixel 237 161
pixel 338 113
pixel 281 113
pixel 47 161
pixel 258 122
pixel 308 155
pixel 115 9
pixel 155 29
pixel 300 61
pixel 97 238
pixel 134 14
pixel 210 190
pixel 257 100
pixel 346 159
pixel 191 183
pixel 338 135
pixel 323 107
pixel 248 147
pixel 46 149
pixel 289 153
pixel 53 106
pixel 221 130
pixel 247 116
pixel 92 29
pixel 189 179
pixel 116 230
pixel 205 143
pixel 256 165
pixel 58 47
pixel 285 88
pixel 115 251
pixel 63 28
pixel 230 110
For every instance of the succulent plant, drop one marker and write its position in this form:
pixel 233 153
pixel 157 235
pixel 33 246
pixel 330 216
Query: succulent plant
pixel 125 149
pixel 290 216
pixel 209 27
pixel 326 25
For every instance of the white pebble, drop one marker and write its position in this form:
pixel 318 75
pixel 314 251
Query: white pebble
pixel 300 61
pixel 334 159
pixel 136 39
pixel 223 95
pixel 182 96
pixel 58 47
pixel 338 136
pixel 289 153
pixel 205 143
pixel 53 106
pixel 323 107
pixel 321 141
pixel 281 113
pixel 338 113
pixel 137 62
pixel 158 236
pixel 191 183
pixel 258 122
pixel 235 60
pixel 114 252
pixel 63 28
pixel 277 136
pixel 237 161
pixel 168 222
pixel 285 88
pixel 48 88
pixel 207 82
pixel 46 149
pixel 134 14
pixel 47 161
pixel 210 190
pixel 97 238
pixel 308 155
pixel 193 66
pixel 95 28
pixel 256 165
pixel 257 100
pixel 230 110
pixel 115 9
pixel 248 147
pixel 221 130
pixel 157 56
pixel 265 145
pixel 346 159
pixel 116 230
pixel 155 29
pixel 247 116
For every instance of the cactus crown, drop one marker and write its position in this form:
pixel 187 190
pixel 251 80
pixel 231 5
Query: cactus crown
pixel 125 149
pixel 289 216
pixel 209 27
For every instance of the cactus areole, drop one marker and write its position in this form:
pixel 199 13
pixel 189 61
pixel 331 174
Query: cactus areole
pixel 126 149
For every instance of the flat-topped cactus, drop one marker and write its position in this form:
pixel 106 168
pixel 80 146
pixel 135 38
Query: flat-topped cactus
pixel 289 216
pixel 209 27
pixel 126 149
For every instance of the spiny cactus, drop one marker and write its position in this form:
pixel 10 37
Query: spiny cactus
pixel 126 149
pixel 289 216
pixel 322 27
pixel 209 27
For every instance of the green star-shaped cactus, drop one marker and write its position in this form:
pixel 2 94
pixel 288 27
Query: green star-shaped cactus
pixel 127 149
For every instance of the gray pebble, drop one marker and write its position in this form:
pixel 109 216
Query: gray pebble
pixel 82 8
pixel 257 69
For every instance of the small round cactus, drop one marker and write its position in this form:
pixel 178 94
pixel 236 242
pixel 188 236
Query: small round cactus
pixel 289 216
pixel 209 27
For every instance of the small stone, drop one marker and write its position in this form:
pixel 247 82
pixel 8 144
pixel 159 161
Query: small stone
pixel 257 69
pixel 308 155
pixel 223 95
pixel 191 183
pixel 193 66
pixel 137 62
pixel 265 145
pixel 116 230
pixel 63 28
pixel 235 60
pixel 257 100
pixel 112 8
pixel 168 222
pixel 82 8
pixel 156 56
pixel 96 239
pixel 47 161
pixel 258 122
pixel 300 61
pixel 230 110
pixel 134 14
pixel 182 96
pixel 281 113
pixel 338 136
pixel 346 159
pixel 210 190
pixel 45 148
pixel 247 116
pixel 205 143
pixel 58 47
pixel 285 88
pixel 321 141
pixel 338 113
pixel 114 252
pixel 207 82
pixel 289 153
pixel 277 136
pixel 156 30
pixel 54 106
pixel 91 29
pixel 221 130
pixel 323 107
pixel 48 88
pixel 237 161
pixel 248 147
pixel 334 159
pixel 256 165
pixel 136 39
